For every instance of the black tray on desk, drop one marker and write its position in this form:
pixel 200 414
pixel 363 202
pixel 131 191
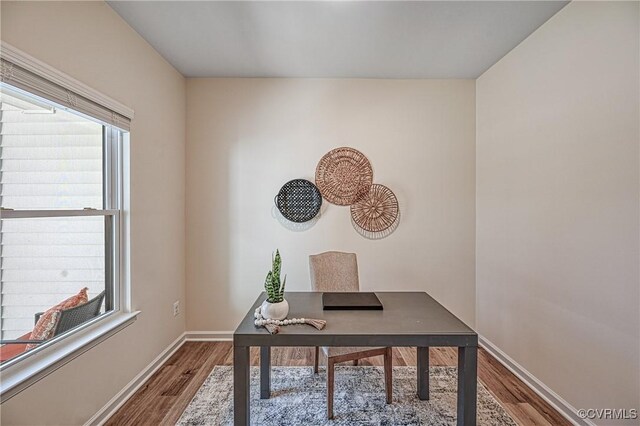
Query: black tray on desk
pixel 350 301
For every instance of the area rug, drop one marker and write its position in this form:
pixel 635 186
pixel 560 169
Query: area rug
pixel 298 397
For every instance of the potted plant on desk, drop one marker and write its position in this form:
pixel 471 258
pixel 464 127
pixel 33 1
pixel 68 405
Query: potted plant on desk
pixel 275 307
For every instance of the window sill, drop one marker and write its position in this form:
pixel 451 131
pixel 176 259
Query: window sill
pixel 19 375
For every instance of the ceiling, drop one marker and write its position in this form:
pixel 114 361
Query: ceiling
pixel 359 39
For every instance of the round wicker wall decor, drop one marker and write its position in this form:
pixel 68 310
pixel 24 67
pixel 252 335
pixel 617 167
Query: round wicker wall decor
pixel 344 176
pixel 299 200
pixel 377 211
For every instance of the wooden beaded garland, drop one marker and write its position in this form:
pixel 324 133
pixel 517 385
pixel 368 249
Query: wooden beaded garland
pixel 260 321
pixel 273 325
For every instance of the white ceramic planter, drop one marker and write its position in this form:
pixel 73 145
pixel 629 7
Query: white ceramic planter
pixel 277 311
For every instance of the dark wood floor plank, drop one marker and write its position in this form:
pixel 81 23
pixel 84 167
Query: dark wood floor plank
pixel 220 352
pixel 407 355
pixel 505 382
pixel 168 392
pixel 526 414
pixel 148 405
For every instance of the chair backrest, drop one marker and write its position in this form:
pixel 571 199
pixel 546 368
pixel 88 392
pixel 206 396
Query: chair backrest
pixel 334 271
pixel 73 317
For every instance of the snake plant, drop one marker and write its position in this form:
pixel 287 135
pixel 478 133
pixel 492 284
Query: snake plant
pixel 272 285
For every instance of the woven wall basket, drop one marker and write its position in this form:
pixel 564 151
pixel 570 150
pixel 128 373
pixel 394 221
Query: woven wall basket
pixel 376 235
pixel 344 176
pixel 299 200
pixel 377 211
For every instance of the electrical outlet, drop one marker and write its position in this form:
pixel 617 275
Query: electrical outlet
pixel 176 308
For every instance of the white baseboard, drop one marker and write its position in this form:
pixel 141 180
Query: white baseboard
pixel 552 398
pixel 121 397
pixel 209 336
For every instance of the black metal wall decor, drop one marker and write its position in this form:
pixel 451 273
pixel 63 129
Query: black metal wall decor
pixel 299 200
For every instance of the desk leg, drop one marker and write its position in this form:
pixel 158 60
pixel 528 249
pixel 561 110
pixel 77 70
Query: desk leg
pixel 423 373
pixel 265 372
pixel 467 385
pixel 241 407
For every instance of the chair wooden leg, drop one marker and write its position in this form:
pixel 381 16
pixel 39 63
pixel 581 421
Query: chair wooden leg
pixel 330 386
pixel 388 374
pixel 315 360
pixel 355 362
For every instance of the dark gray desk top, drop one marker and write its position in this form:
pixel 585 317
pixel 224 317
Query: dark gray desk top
pixel 408 319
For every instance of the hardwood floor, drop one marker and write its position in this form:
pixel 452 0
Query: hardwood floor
pixel 166 394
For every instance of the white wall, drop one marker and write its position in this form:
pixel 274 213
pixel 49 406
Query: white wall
pixel 557 204
pixel 247 137
pixel 90 42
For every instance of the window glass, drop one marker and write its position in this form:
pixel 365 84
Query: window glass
pixel 56 238
pixel 45 261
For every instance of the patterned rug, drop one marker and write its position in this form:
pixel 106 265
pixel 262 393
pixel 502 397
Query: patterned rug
pixel 298 398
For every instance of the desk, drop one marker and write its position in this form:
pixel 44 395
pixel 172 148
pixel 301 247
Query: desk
pixel 408 319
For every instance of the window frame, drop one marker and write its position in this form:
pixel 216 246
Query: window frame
pixel 26 369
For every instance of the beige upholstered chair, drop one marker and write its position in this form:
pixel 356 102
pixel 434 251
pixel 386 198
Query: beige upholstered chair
pixel 334 272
